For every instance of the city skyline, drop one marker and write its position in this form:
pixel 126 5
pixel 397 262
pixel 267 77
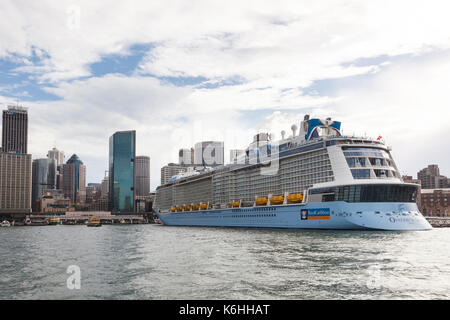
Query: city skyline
pixel 180 84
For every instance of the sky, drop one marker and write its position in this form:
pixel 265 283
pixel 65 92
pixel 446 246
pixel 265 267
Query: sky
pixel 179 72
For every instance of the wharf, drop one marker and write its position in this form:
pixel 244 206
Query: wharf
pixel 439 222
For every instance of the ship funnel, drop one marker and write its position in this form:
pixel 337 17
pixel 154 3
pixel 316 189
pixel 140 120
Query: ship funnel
pixel 294 129
pixel 283 134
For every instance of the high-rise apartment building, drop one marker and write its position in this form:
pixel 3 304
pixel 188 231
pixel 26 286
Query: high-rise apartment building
pixel 142 175
pixel 431 177
pixel 170 170
pixel 15 130
pixel 15 183
pixel 122 172
pixel 74 179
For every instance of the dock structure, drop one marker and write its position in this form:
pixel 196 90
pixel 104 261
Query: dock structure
pixel 81 217
pixel 439 222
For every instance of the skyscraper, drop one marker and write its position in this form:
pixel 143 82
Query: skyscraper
pixel 15 130
pixel 105 186
pixel 39 180
pixel 15 183
pixel 142 176
pixel 74 179
pixel 57 155
pixel 122 172
pixel 52 175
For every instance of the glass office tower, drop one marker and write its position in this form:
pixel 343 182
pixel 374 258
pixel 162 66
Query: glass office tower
pixel 122 172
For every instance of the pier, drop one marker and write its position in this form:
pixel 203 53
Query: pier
pixel 105 220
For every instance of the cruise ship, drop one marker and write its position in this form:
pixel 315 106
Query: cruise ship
pixel 316 179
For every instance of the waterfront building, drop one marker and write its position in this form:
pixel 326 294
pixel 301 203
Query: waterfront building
pixel 431 177
pixel 170 170
pixel 145 203
pixel 74 179
pixel 435 202
pixel 15 183
pixel 15 130
pixel 142 175
pixel 209 153
pixel 235 155
pixel 54 202
pixel 186 156
pixel 122 171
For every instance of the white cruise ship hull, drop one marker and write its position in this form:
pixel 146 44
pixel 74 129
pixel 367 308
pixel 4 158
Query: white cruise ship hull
pixel 321 215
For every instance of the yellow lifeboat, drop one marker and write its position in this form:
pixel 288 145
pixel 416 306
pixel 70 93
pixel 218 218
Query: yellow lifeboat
pixel 276 200
pixel 210 206
pixel 173 209
pixel 203 206
pixel 187 208
pixel 234 204
pixel 179 208
pixel 261 201
pixel 295 198
pixel 195 207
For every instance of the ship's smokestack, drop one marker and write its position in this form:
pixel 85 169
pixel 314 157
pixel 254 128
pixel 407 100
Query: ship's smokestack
pixel 283 134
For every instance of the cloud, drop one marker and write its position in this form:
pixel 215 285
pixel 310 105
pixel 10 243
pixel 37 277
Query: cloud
pixel 407 104
pixel 253 62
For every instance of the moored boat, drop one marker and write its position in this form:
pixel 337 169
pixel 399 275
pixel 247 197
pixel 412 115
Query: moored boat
pixel 94 222
pixel 5 223
pixel 54 221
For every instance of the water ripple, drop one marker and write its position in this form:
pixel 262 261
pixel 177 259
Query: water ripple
pixel 157 262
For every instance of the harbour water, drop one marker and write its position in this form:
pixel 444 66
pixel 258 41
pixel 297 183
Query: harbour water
pixel 159 262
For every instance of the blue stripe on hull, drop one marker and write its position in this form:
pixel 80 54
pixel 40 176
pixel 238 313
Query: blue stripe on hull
pixel 342 215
